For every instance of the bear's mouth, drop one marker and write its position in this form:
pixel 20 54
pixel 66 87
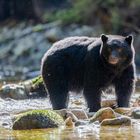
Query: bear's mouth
pixel 113 61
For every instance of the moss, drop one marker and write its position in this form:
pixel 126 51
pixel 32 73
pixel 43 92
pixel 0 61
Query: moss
pixel 37 80
pixel 37 119
pixel 38 86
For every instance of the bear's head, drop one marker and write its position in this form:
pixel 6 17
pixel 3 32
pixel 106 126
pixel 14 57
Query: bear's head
pixel 117 50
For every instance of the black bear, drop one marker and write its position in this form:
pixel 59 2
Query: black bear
pixel 90 64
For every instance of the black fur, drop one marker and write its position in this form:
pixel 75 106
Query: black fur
pixel 82 63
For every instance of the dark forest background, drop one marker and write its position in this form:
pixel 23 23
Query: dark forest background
pixel 120 16
pixel 29 27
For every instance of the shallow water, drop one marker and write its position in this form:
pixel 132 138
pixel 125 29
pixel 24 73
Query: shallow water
pixel 79 133
pixel 10 107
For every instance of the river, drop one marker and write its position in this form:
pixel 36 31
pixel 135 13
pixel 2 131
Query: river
pixel 10 107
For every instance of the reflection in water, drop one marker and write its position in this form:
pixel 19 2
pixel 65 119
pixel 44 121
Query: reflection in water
pixel 80 133
pixel 52 134
pixel 115 133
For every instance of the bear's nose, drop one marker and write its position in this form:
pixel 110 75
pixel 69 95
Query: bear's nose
pixel 114 57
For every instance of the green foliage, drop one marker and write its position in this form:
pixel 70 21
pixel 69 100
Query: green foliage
pixel 110 14
pixel 115 19
pixel 76 14
pixel 134 3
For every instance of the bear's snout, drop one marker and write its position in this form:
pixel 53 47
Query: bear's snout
pixel 114 57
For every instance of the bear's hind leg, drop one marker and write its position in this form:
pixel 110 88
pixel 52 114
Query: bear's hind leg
pixel 58 94
pixel 55 80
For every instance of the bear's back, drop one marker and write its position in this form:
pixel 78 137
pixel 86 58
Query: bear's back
pixel 71 43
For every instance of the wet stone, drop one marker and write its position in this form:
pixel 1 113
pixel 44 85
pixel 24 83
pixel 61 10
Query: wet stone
pixel 104 113
pixel 136 114
pixel 66 114
pixel 108 103
pixel 123 111
pixel 69 122
pixel 80 114
pixel 117 121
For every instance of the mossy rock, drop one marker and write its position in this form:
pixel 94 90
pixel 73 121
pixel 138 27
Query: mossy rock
pixel 37 119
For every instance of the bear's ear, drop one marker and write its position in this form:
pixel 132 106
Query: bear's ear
pixel 104 38
pixel 129 39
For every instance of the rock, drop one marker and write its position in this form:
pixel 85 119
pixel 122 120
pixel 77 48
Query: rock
pixel 79 113
pixel 37 119
pixel 117 121
pixel 108 103
pixel 32 88
pixel 70 114
pixel 13 91
pixel 123 111
pixel 77 102
pixel 136 103
pixel 76 114
pixel 104 113
pixel 62 112
pixel 136 113
pixel 20 48
pixel 69 122
pixel 35 87
pixel 24 46
pixel 66 113
pixel 90 114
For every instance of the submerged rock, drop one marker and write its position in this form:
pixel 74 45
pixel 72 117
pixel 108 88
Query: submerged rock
pixel 117 121
pixel 37 119
pixel 104 113
pixel 136 113
pixel 123 111
pixel 66 113
pixel 108 103
pixel 79 113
